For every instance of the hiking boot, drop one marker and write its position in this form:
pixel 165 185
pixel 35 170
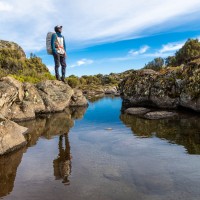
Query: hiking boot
pixel 63 80
pixel 58 78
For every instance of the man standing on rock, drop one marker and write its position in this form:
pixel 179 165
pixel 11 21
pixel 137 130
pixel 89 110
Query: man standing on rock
pixel 59 52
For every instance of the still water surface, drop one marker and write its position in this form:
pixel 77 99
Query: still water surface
pixel 102 154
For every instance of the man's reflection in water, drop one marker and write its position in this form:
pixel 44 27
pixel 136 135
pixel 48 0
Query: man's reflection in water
pixel 62 165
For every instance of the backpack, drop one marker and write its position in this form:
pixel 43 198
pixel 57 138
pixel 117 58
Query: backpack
pixel 48 42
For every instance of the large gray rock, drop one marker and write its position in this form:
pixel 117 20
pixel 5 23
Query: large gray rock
pixel 32 96
pixel 111 90
pixel 8 94
pixel 21 111
pixel 18 85
pixel 11 135
pixel 19 101
pixel 78 99
pixel 55 94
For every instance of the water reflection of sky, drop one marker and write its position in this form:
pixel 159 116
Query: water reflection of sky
pixel 136 159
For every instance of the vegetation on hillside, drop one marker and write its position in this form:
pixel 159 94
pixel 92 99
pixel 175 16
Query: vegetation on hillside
pixel 95 81
pixel 189 52
pixel 157 64
pixel 23 69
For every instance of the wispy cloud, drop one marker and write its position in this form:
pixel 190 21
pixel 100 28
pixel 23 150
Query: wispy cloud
pixel 171 47
pixel 165 51
pixel 82 62
pixel 91 22
pixel 142 50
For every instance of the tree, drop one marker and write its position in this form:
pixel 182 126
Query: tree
pixel 170 61
pixel 156 64
pixel 190 51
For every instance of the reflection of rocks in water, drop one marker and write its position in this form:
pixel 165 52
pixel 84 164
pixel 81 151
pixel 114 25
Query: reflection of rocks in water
pixel 95 98
pixel 52 124
pixel 62 164
pixel 184 130
pixel 35 129
pixel 46 126
pixel 8 169
pixel 78 113
pixel 57 124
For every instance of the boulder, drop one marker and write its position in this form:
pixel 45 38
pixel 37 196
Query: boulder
pixel 32 96
pixel 11 135
pixel 56 95
pixel 78 99
pixel 159 115
pixel 21 111
pixel 137 111
pixel 111 90
pixel 18 85
pixel 8 94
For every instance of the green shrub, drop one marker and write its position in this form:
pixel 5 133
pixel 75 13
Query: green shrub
pixel 73 81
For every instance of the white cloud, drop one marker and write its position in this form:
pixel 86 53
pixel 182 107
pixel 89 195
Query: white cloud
pixel 171 47
pixel 142 50
pixel 165 51
pixel 82 62
pixel 90 22
pixel 5 6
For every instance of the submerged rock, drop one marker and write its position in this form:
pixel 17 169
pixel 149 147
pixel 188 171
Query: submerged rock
pixel 159 115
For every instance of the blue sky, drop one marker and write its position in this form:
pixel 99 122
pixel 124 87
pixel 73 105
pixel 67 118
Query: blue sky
pixel 102 36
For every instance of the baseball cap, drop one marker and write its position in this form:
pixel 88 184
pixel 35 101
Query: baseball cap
pixel 57 27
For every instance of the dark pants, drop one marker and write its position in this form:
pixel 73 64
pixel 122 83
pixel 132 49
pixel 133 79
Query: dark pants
pixel 59 60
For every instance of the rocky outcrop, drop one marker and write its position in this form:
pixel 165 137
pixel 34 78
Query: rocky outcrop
pixel 11 136
pixel 170 88
pixel 23 101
